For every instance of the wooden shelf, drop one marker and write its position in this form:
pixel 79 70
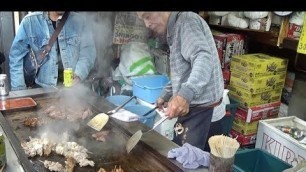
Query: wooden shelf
pixel 275 37
pixel 263 37
pixel 290 44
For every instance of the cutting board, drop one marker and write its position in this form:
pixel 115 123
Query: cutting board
pixel 17 104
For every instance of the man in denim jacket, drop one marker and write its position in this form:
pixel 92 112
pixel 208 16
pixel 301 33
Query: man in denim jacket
pixel 74 48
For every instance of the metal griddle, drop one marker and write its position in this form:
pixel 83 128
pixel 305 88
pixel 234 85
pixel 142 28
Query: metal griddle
pixel 105 154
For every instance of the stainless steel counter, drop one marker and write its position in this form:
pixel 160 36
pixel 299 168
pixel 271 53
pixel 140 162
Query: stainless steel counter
pixel 153 139
pixel 13 164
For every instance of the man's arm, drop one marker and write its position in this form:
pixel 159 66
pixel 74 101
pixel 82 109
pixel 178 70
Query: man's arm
pixel 87 53
pixel 195 49
pixel 18 51
pixel 166 92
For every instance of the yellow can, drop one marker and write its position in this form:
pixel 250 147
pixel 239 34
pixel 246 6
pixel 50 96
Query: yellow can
pixel 68 77
pixel 2 150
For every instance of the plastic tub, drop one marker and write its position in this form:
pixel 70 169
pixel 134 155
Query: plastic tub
pixel 149 87
pixel 258 160
pixel 141 110
pixel 120 99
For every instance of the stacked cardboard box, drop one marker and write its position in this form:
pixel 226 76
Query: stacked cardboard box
pixel 256 83
pixel 229 44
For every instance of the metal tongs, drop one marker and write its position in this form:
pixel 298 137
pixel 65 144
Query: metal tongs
pixel 99 121
pixel 119 107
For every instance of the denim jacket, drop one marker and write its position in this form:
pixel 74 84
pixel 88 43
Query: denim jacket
pixel 77 48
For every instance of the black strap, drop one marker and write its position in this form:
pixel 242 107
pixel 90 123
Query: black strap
pixel 58 29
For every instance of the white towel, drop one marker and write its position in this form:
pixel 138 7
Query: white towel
pixel 124 115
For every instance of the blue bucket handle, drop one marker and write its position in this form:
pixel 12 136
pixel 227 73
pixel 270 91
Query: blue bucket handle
pixel 144 87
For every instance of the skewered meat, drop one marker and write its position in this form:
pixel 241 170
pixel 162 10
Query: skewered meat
pixel 73 114
pixel 37 146
pixel 57 115
pixel 33 147
pixel 101 135
pixel 44 146
pixel 70 164
pixel 119 169
pixel 31 122
pixel 76 151
pixel 101 170
pixel 50 109
pixel 42 121
pixel 47 145
pixel 69 112
pixel 53 166
pixel 87 113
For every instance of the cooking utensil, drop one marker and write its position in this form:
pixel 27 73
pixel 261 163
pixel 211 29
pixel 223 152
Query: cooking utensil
pixel 135 138
pixel 119 107
pixel 99 121
pixel 150 111
pixel 2 168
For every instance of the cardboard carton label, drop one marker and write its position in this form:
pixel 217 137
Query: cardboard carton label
pixel 243 139
pixel 294 31
pixel 258 112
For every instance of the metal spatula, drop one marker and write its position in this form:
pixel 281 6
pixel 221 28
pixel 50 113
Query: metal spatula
pixel 135 138
pixel 99 121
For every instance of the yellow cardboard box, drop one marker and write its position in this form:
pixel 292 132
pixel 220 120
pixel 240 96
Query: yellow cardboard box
pixel 259 64
pixel 258 85
pixel 246 99
pixel 246 128
pixel 243 127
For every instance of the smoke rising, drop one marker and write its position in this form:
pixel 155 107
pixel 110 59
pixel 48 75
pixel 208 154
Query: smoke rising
pixel 101 24
pixel 70 101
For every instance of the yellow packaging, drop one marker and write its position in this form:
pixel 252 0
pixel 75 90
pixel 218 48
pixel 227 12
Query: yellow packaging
pixel 243 127
pixel 68 77
pixel 258 65
pixel 246 99
pixel 246 128
pixel 258 85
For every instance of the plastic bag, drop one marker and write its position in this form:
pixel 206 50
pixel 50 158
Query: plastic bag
pixel 135 60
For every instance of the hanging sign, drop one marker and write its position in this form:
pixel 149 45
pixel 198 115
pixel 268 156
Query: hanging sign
pixel 302 41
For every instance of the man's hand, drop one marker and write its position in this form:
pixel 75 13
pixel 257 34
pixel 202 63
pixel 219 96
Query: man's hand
pixel 160 103
pixel 177 106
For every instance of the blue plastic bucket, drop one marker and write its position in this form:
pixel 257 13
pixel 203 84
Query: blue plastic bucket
pixel 149 87
pixel 120 99
pixel 141 110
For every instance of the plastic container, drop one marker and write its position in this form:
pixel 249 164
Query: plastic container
pixel 149 87
pixel 257 160
pixel 120 99
pixel 141 110
pixel 227 120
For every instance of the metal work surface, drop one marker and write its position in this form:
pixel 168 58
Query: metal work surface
pixel 106 154
pixel 12 162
